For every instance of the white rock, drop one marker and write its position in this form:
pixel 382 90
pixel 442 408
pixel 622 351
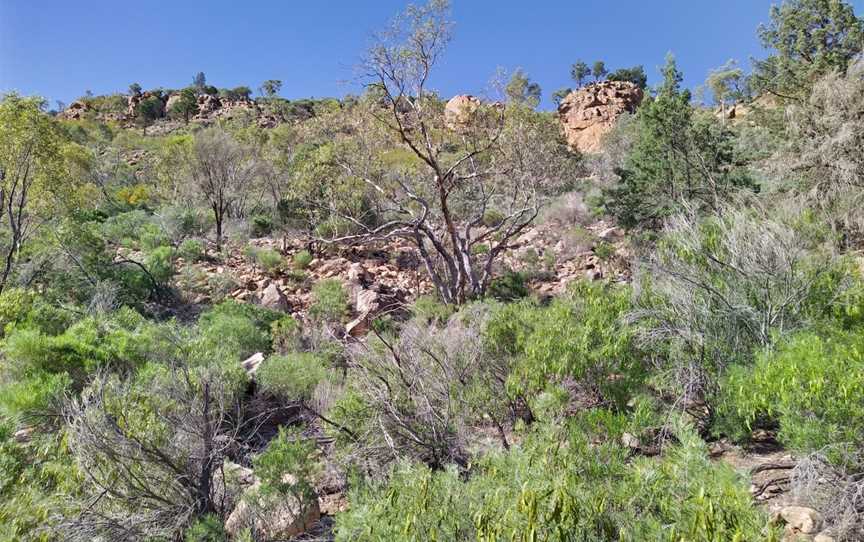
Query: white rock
pixel 802 519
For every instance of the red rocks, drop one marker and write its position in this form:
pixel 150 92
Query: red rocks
pixel 460 110
pixel 75 111
pixel 589 113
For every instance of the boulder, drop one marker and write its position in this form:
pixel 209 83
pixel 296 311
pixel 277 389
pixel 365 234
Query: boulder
pixel 75 111
pixel 230 482
pixel 801 519
pixel 366 304
pixel 251 364
pixel 272 518
pixel 273 298
pixel 459 111
pixel 589 113
pixel 207 105
pixel 172 99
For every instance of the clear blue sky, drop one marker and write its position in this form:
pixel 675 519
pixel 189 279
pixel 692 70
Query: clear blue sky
pixel 59 49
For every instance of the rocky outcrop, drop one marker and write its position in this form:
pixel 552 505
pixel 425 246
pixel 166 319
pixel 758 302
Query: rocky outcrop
pixel 135 99
pixel 272 518
pixel 460 110
pixel 75 111
pixel 589 113
pixel 210 108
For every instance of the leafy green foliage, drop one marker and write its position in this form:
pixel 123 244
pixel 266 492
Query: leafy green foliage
pixel 579 72
pixel 635 75
pixel 557 487
pixel 329 301
pixel 291 377
pixel 580 337
pixel 508 287
pixel 302 259
pixel 185 106
pixel 237 330
pixel 678 158
pixel 270 260
pixel 811 38
pixel 287 466
pixel 191 250
pixel 160 263
pixel 261 226
pixel 206 529
pixel 810 384
pixel 716 290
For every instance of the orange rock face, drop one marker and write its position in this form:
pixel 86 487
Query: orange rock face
pixel 589 113
pixel 460 110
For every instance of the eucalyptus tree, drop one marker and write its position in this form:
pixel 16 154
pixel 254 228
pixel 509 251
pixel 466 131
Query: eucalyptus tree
pixel 466 187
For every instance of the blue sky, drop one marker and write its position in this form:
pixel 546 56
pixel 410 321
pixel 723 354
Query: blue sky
pixel 59 49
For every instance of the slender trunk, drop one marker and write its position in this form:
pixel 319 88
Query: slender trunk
pixel 204 502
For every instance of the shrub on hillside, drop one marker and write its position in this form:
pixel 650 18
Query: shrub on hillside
pixel 269 260
pixel 581 337
pixel 291 377
pixel 236 330
pixel 716 289
pixel 810 385
pixel 560 486
pixel 160 264
pixel 191 250
pixel 261 226
pixel 329 301
pixel 302 259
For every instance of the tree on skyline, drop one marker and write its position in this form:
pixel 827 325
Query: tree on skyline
pixel 579 71
pixel 599 70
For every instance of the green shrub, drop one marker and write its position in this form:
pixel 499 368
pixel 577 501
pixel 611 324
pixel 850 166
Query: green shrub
pixel 509 287
pixel 36 479
pixel 191 250
pixel 562 487
pixel 23 308
pixel 269 260
pixel 604 250
pixel 329 301
pixel 125 228
pixel 302 260
pixel 181 221
pixel 811 385
pixel 236 330
pixel 492 218
pixel 40 367
pixel 480 249
pixel 290 453
pixel 160 263
pixel 717 290
pixel 287 335
pixel 581 337
pixel 207 529
pixel 152 236
pixel 430 310
pixel 34 395
pixel 291 377
pixel 250 253
pixel 261 226
pixel 219 285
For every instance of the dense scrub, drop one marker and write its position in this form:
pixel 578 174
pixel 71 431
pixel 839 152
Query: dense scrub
pixel 139 400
